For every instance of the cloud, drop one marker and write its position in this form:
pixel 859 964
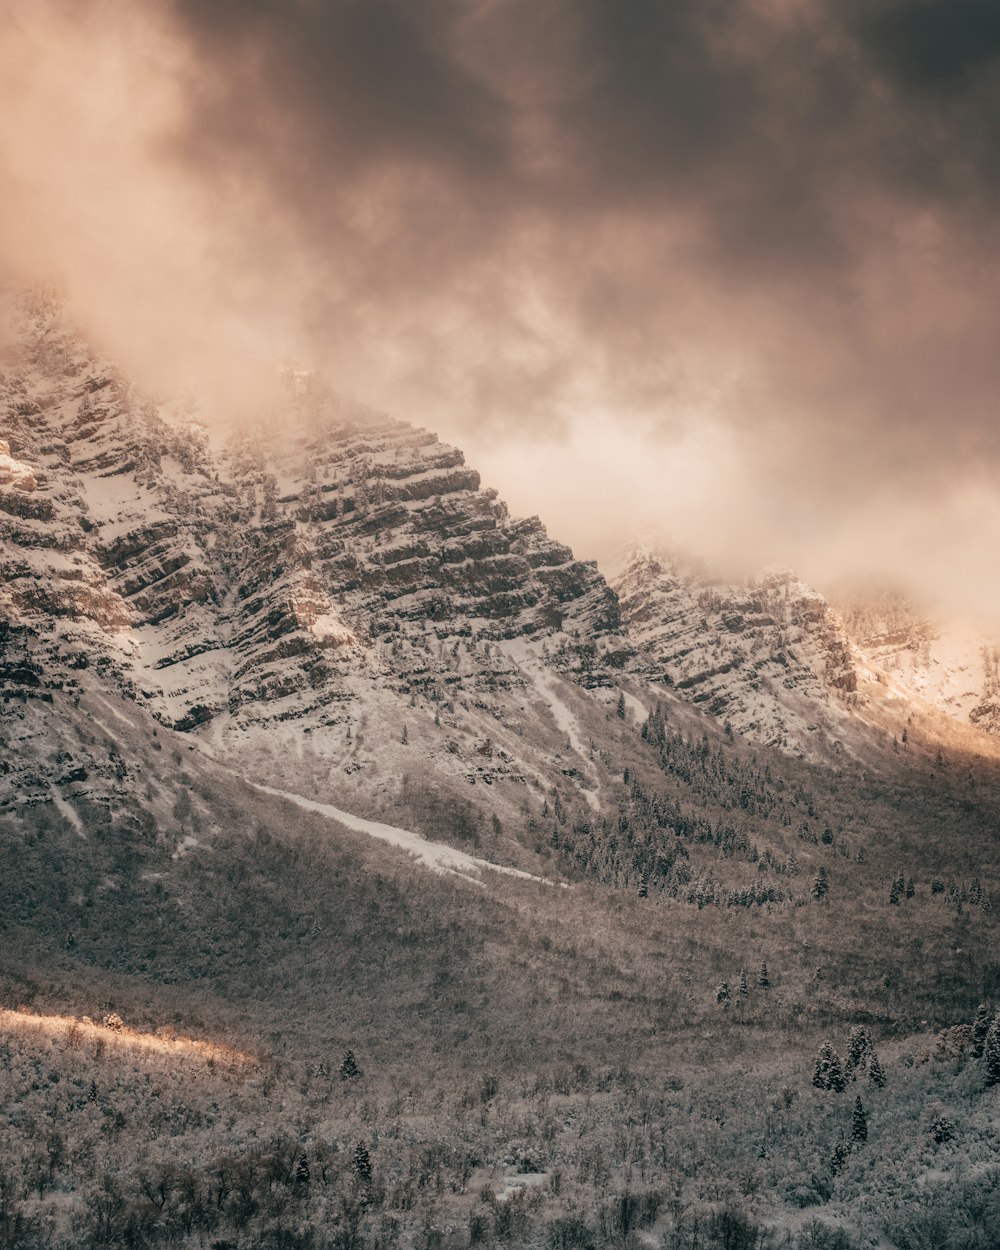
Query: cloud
pixel 756 231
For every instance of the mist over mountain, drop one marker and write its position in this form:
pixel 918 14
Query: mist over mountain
pixel 749 252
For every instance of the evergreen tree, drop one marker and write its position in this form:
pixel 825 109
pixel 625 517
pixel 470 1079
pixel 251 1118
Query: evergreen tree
pixel 644 886
pixel 911 889
pixel 859 1122
pixel 820 885
pixel 763 978
pixel 896 890
pixel 302 1171
pixel 404 737
pixel 361 1164
pixel 980 1027
pixel 349 1068
pixel 92 1092
pixel 943 1130
pixel 840 1156
pixel 827 1070
pixel 991 1054
pixel 723 994
pixel 744 987
pixel 857 1048
pixel 620 709
pixel 876 1073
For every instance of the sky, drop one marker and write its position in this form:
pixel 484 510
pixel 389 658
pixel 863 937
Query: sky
pixel 713 271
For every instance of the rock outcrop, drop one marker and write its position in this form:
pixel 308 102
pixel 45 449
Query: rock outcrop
pixel 766 656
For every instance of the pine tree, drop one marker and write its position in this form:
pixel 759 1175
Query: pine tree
pixel 828 1072
pixel 820 885
pixel 92 1092
pixel 911 889
pixel 620 709
pixel 943 1130
pixel 744 988
pixel 840 1155
pixel 859 1122
pixel 763 977
pixel 821 1071
pixel 349 1069
pixel 857 1047
pixel 896 890
pixel 302 1171
pixel 991 1054
pixel 723 994
pixel 876 1073
pixel 404 737
pixel 361 1164
pixel 980 1027
pixel 644 886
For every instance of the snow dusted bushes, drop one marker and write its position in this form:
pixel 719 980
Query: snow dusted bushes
pixel 155 1149
pixel 963 1215
pixel 646 1110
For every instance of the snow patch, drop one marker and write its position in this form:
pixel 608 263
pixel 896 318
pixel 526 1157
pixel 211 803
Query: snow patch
pixel 69 813
pixel 15 473
pixel 547 684
pixel 434 855
pixel 330 628
pixel 188 843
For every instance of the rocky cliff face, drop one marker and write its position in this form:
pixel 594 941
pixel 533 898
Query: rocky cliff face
pixel 767 656
pixel 787 667
pixel 330 577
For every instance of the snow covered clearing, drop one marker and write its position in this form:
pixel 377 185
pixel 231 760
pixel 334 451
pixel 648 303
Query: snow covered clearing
pixel 434 855
pixel 68 812
pixel 547 684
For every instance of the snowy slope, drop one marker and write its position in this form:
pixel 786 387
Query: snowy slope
pixel 331 594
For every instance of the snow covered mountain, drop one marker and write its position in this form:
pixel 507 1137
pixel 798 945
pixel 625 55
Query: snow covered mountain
pixel 329 602
pixel 332 594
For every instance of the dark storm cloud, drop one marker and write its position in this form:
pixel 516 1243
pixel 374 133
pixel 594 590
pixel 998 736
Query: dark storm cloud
pixel 340 86
pixel 929 46
pixel 759 116
pixel 415 147
pixel 762 227
pixel 776 216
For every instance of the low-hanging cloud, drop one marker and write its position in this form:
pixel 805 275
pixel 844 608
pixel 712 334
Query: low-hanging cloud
pixel 748 243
